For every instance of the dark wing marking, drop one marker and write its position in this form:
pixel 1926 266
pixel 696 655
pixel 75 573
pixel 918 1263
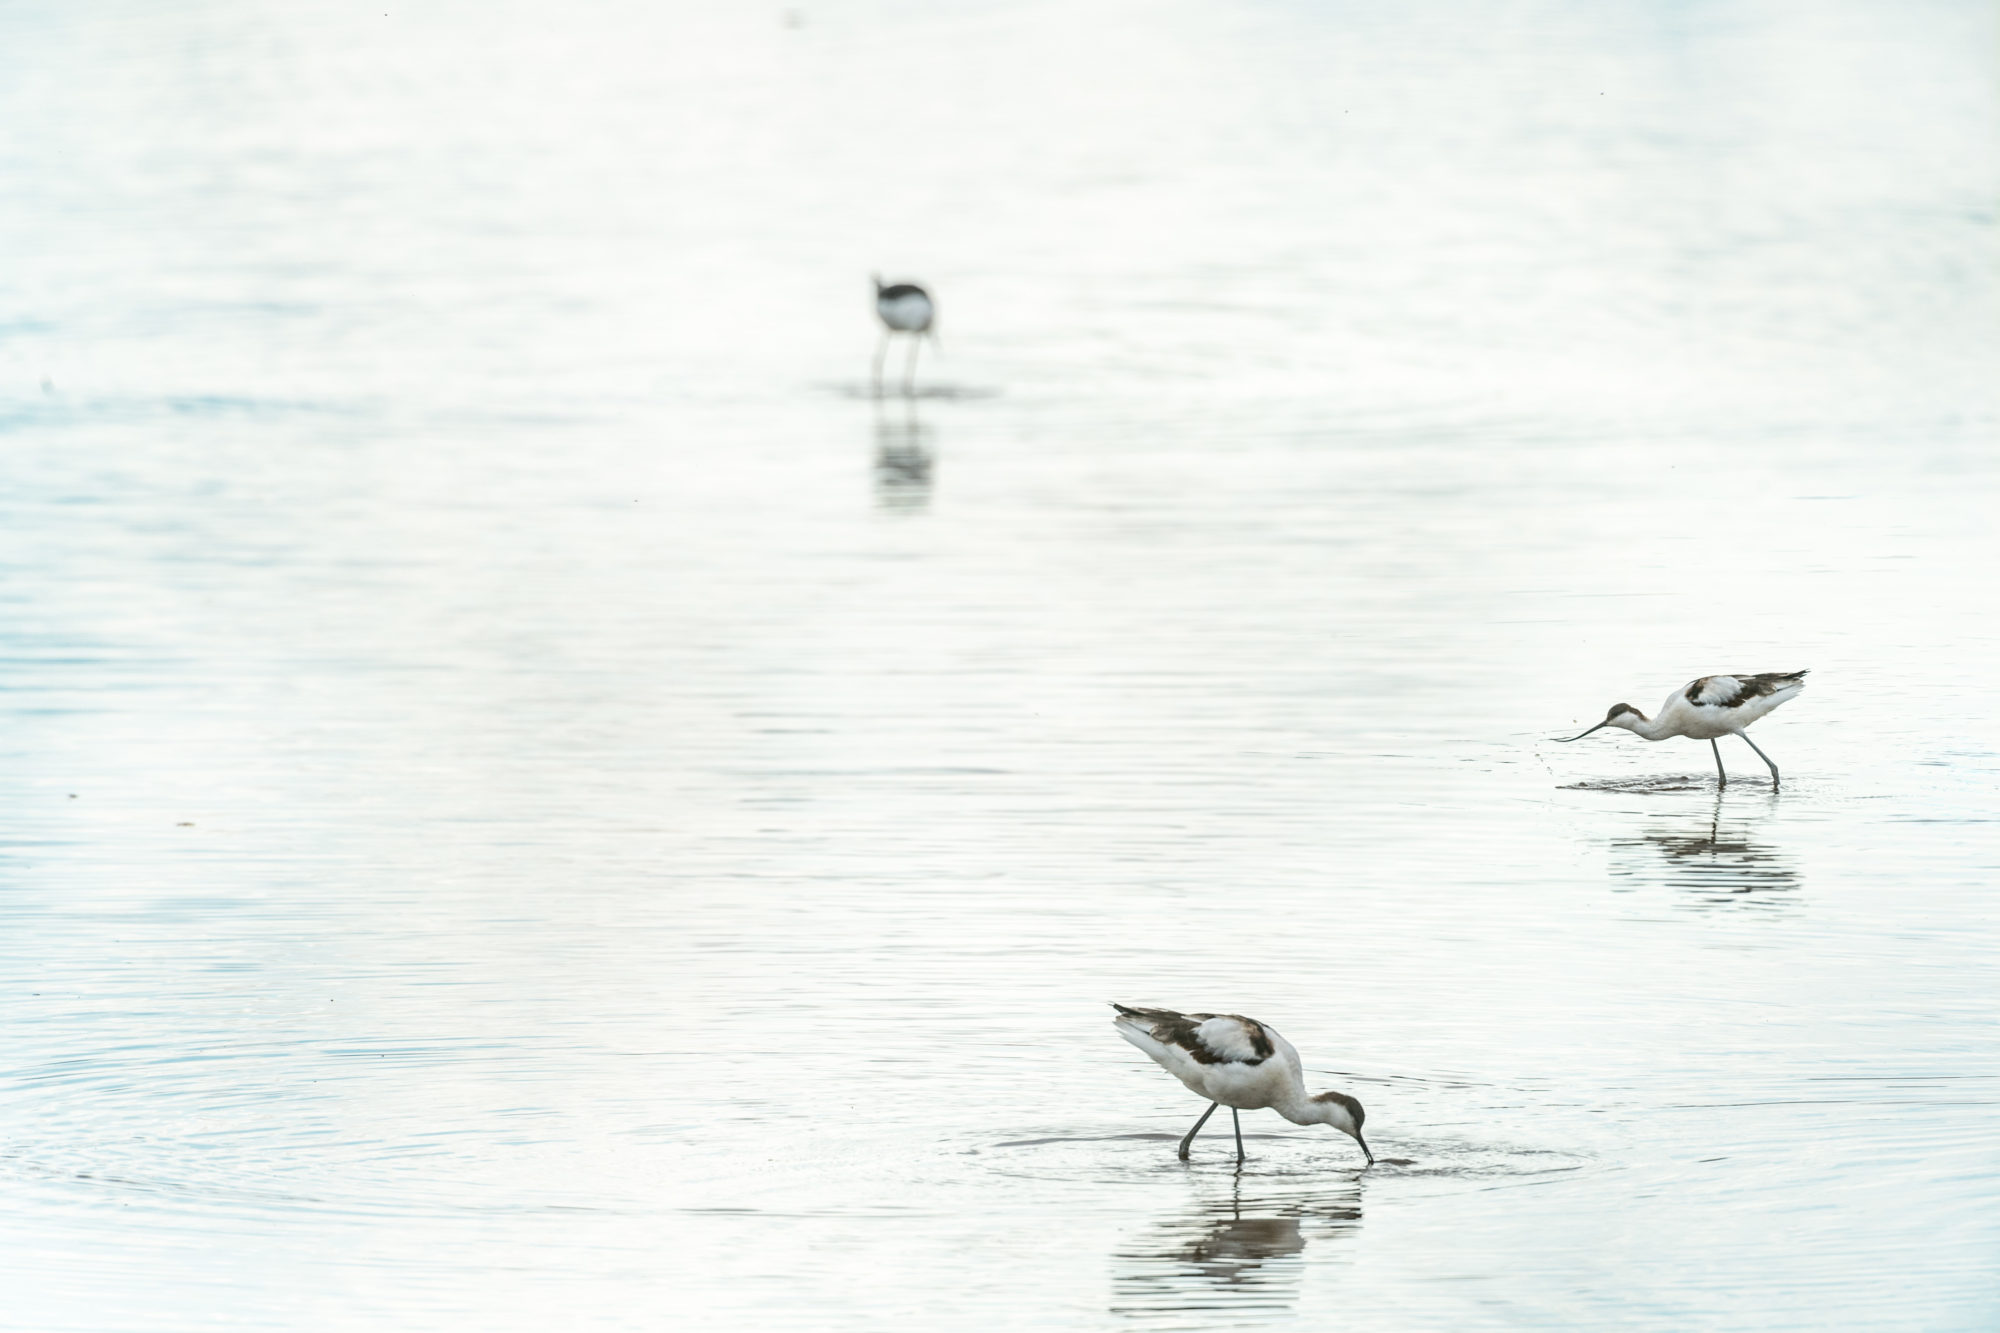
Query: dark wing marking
pixel 899 291
pixel 1735 691
pixel 1714 692
pixel 1184 1031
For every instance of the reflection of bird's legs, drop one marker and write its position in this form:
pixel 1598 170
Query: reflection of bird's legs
pixel 1721 778
pixel 1238 1120
pixel 1761 755
pixel 881 350
pixel 1197 1129
pixel 910 366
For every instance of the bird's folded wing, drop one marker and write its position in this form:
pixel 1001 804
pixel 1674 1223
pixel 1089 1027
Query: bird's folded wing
pixel 1735 691
pixel 1209 1039
pixel 1716 692
pixel 1225 1039
pixel 1229 1038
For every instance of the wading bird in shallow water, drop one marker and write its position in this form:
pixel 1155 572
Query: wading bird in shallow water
pixel 903 308
pixel 1240 1063
pixel 1710 707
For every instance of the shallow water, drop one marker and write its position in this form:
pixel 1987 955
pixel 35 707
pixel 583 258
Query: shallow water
pixel 533 800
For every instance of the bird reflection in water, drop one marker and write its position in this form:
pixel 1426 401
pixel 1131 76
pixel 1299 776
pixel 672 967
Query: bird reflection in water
pixel 904 458
pixel 1233 1255
pixel 1718 866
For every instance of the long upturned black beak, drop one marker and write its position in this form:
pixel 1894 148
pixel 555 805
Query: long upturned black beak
pixel 1364 1149
pixel 1565 740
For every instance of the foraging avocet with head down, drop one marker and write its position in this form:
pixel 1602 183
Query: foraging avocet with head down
pixel 903 307
pixel 1240 1063
pixel 1710 707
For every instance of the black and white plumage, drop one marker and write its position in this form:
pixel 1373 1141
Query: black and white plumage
pixel 1240 1063
pixel 903 307
pixel 1711 707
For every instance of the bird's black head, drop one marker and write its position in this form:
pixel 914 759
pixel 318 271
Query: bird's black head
pixel 1344 1113
pixel 1611 719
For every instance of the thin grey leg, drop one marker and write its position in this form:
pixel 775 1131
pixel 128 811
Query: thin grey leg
pixel 881 351
pixel 1721 777
pixel 1197 1129
pixel 1765 757
pixel 910 366
pixel 1238 1120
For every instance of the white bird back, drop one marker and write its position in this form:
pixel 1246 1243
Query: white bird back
pixel 910 312
pixel 1224 1057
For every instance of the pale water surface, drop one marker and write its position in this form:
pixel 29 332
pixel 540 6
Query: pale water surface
pixel 530 802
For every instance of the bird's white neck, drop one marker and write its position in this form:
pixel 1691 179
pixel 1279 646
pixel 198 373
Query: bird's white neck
pixel 1298 1106
pixel 1640 725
